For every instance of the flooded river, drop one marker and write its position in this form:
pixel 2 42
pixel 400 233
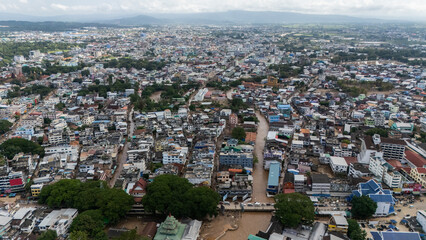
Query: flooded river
pixel 252 222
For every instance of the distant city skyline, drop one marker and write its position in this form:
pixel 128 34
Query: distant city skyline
pixel 384 9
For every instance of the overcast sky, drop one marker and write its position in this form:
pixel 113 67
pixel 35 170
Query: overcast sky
pixel 388 9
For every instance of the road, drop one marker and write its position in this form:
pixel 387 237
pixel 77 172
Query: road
pixel 122 155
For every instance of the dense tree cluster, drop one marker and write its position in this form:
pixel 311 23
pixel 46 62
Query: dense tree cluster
pixel 354 231
pixel 48 235
pixel 238 133
pixel 34 89
pixel 101 202
pixel 381 131
pixel 5 126
pixel 169 92
pixel 13 146
pixel 286 70
pixel 175 195
pixel 237 104
pixel 102 90
pixel 363 207
pixel 10 49
pixel 294 209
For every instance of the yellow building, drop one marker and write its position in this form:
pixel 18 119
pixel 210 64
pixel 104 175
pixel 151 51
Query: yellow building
pixel 36 189
pixel 338 223
pixel 419 175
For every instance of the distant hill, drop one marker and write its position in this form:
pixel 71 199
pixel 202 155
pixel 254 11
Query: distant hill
pixel 46 26
pixel 137 20
pixel 261 17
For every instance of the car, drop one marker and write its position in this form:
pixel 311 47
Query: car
pixel 363 225
pixel 399 210
pixel 407 216
pixel 12 195
pixel 250 204
pixel 268 204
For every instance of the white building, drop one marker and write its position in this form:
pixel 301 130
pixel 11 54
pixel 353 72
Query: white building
pixel 338 165
pixel 58 220
pixel 421 218
pixel 369 148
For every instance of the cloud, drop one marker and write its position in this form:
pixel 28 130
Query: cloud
pixel 370 8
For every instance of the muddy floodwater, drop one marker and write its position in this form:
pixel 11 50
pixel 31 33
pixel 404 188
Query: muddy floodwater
pixel 248 222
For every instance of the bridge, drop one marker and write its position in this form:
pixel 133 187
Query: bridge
pixel 248 207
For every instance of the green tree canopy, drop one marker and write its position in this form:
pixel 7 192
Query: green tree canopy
pixel 89 222
pixel 5 126
pixel 381 131
pixel 354 231
pixel 130 235
pixel 13 146
pixel 238 133
pixel 363 207
pixel 90 195
pixel 48 235
pixel 294 209
pixel 175 195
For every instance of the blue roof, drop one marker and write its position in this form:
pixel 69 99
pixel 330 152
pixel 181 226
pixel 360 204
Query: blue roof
pixel 395 236
pixel 274 174
pixel 381 198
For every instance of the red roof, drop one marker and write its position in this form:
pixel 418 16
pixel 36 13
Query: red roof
pixel 421 170
pixel 395 163
pixel 415 158
pixel 350 160
pixel 15 182
pixel 407 169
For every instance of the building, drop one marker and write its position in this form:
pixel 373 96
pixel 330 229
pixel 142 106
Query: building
pixel 358 170
pixel 421 219
pixel 338 223
pixel 369 148
pixel 419 175
pixel 338 165
pixel 393 148
pixel 170 229
pixel 4 225
pixel 273 186
pixel 138 189
pixel 320 184
pixel 299 183
pixel 383 197
pixel 174 157
pixel 233 119
pixel 36 189
pixel 406 128
pixel 58 220
pixel 395 235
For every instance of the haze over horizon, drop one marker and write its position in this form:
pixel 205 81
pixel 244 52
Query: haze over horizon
pixel 412 10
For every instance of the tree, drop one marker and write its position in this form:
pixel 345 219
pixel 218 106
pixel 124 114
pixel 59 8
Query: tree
pixel 354 231
pixel 112 203
pixel 79 235
pixel 294 209
pixel 5 126
pixel 202 201
pixel 60 106
pixel 238 133
pixel 363 207
pixel 47 121
pixel 175 195
pixel 130 235
pixel 381 131
pixel 48 235
pixel 89 222
pixel 13 146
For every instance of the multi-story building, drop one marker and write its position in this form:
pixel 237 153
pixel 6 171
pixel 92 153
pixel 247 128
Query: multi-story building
pixel 36 189
pixel 421 219
pixel 236 158
pixel 320 184
pixel 338 165
pixel 419 175
pixel 392 148
pixel 358 170
pixel 369 148
pixel 58 220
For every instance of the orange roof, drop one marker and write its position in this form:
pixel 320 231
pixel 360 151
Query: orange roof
pixel 251 136
pixel 235 170
pixel 415 158
pixel 305 131
pixel 421 170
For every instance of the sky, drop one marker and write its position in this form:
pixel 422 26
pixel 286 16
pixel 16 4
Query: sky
pixel 385 9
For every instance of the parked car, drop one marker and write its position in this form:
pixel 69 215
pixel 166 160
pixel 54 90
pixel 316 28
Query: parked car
pixel 363 225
